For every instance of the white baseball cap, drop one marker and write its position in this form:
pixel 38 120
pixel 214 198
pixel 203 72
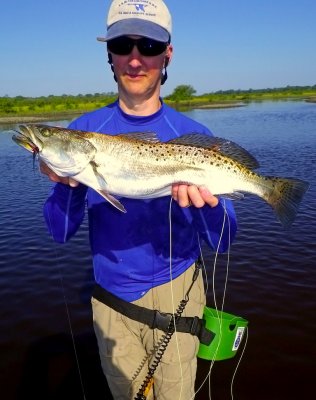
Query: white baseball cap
pixel 148 18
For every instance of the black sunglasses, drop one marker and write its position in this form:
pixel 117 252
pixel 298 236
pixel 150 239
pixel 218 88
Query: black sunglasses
pixel 124 45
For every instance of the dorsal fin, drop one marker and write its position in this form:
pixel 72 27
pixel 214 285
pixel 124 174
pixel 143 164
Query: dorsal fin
pixel 223 146
pixel 149 136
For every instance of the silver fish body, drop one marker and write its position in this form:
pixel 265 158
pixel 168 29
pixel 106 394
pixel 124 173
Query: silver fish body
pixel 138 165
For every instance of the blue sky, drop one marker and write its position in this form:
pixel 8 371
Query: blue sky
pixel 49 46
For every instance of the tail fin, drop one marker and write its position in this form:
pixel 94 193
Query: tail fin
pixel 286 197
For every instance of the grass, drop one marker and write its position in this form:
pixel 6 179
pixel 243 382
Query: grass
pixel 53 107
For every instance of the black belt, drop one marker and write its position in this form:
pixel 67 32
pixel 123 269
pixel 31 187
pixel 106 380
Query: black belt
pixel 154 318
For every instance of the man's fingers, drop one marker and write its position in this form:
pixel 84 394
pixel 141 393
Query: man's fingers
pixel 174 191
pixel 207 197
pixel 183 197
pixel 56 178
pixel 195 197
pixel 187 195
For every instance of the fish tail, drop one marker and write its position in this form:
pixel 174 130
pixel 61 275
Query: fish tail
pixel 285 196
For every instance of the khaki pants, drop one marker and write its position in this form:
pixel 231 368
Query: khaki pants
pixel 124 344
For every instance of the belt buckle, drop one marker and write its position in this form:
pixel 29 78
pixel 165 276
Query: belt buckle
pixel 162 320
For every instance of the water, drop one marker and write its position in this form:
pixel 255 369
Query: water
pixel 271 280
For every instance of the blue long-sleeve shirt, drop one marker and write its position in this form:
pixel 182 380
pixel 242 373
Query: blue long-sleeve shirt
pixel 131 251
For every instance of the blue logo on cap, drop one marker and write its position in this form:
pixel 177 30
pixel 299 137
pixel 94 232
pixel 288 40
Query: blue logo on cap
pixel 140 7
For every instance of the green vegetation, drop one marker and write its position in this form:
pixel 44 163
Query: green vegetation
pixel 25 106
pixel 182 96
pixel 288 92
pixel 182 92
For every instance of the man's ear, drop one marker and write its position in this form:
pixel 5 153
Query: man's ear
pixel 110 61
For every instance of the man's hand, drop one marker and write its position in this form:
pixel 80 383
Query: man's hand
pixel 55 178
pixel 187 195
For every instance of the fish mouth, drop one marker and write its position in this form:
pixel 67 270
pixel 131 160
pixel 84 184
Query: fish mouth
pixel 26 138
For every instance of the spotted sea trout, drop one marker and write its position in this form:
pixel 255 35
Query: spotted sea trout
pixel 138 165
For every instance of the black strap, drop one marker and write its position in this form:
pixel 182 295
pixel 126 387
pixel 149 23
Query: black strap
pixel 154 318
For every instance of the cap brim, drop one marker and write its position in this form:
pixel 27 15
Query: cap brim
pixel 136 26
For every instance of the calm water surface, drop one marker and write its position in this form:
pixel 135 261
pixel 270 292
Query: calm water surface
pixel 271 279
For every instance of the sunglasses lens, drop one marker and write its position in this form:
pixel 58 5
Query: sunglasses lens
pixel 150 47
pixel 123 46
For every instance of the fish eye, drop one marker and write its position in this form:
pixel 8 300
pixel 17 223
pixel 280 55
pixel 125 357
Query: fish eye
pixel 45 132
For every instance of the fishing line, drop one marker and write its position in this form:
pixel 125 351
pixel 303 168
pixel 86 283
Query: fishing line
pixel 246 329
pixel 214 294
pixel 216 257
pixel 163 342
pixel 203 264
pixel 68 314
pixel 239 361
pixel 222 306
pixel 219 315
pixel 172 296
pixel 36 158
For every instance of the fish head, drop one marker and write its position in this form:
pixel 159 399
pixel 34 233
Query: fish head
pixel 27 139
pixel 67 152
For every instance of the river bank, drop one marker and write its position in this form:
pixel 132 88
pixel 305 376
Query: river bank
pixel 180 106
pixel 20 109
pixel 24 119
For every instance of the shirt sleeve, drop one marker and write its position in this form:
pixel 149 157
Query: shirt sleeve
pixel 64 211
pixel 217 225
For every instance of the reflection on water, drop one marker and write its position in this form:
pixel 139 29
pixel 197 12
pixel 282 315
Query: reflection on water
pixel 271 279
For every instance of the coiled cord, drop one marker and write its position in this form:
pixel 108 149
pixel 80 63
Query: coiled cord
pixel 163 344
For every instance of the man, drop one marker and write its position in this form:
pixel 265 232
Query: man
pixel 147 256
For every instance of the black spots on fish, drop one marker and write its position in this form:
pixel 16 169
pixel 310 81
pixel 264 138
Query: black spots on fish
pixel 169 153
pixel 215 159
pixel 156 151
pixel 145 149
pixel 141 148
pixel 229 164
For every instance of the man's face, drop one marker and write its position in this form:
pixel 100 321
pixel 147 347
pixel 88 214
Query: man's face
pixel 139 75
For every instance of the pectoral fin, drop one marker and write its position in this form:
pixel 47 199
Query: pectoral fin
pixel 101 182
pixel 111 199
